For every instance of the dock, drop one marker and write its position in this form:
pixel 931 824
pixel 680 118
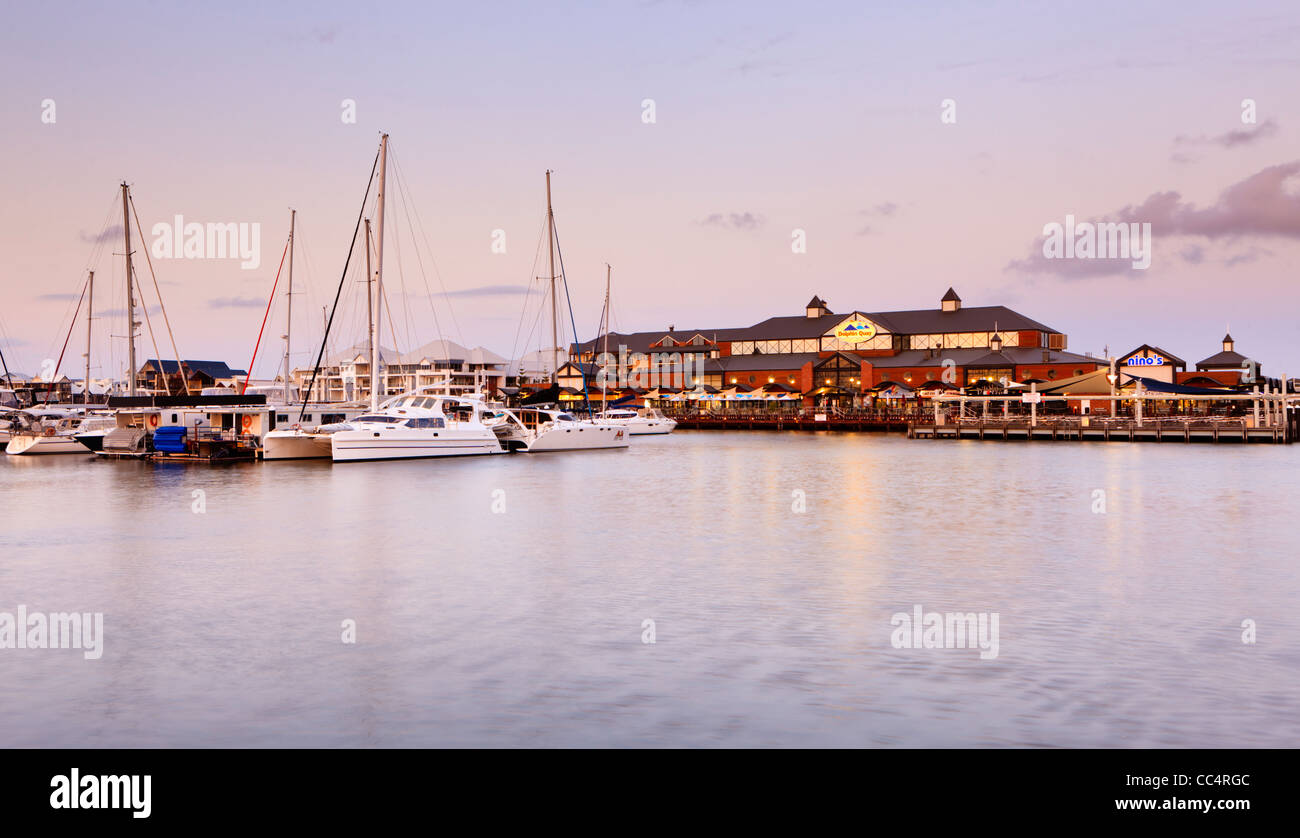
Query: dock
pixel 792 422
pixel 1086 429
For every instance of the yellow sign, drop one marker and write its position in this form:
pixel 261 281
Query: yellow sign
pixel 856 331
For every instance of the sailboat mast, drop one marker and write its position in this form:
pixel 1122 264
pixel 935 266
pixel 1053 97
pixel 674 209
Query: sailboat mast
pixel 555 311
pixel 370 320
pixel 379 274
pixel 3 363
pixel 604 379
pixel 90 307
pixel 130 302
pixel 288 311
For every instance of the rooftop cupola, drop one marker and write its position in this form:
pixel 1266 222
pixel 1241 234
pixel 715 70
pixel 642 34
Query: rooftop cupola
pixel 950 302
pixel 1228 343
pixel 816 308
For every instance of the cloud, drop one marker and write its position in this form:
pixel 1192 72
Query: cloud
pixel 1265 204
pixel 236 302
pixel 110 234
pixel 1193 254
pixel 1232 139
pixel 1246 257
pixel 490 291
pixel 121 312
pixel 61 298
pixel 735 221
pixel 887 208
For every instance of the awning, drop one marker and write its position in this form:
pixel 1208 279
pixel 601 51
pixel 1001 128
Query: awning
pixel 1154 386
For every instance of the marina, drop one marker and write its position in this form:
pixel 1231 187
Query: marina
pixel 221 628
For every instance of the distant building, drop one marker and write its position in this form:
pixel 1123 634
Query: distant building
pixel 192 376
pixel 835 357
pixel 345 376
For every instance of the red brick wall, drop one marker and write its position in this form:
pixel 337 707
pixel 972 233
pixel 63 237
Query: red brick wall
pixel 1030 338
pixel 1062 370
pixel 864 379
pixel 761 376
pixel 806 377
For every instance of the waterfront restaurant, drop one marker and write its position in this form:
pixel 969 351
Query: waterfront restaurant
pixel 844 359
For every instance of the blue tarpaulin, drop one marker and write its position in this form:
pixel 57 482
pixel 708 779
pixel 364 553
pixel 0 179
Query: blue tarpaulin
pixel 1181 389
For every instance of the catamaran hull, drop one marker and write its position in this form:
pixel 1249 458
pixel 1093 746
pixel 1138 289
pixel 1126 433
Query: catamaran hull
pixel 26 444
pixel 585 438
pixel 93 441
pixel 296 445
pixel 649 427
pixel 357 446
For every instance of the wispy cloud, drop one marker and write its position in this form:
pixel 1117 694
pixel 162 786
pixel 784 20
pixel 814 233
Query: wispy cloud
pixel 886 208
pixel 1231 139
pixel 490 291
pixel 110 234
pixel 734 221
pixel 236 302
pixel 60 298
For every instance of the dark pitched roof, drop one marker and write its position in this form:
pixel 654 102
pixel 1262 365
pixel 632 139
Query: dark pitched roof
pixel 1227 338
pixel 815 302
pixel 951 296
pixel 964 319
pixel 1222 360
pixel 212 369
pixel 920 321
pixel 1157 350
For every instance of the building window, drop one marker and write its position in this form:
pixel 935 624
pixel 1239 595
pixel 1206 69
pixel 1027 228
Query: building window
pixel 1078 372
pixel 751 379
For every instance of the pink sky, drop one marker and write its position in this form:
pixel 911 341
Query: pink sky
pixel 824 118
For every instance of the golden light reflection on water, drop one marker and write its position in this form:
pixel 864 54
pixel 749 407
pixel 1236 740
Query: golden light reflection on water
pixel 773 625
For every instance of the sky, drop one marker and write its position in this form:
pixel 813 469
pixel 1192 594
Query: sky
pixel 911 147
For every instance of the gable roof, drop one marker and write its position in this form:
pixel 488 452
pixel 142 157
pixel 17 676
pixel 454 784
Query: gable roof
pixel 1155 349
pixel 212 369
pixel 787 327
pixel 951 296
pixel 1222 359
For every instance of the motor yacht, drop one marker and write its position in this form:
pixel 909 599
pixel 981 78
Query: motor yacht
pixel 538 429
pixel 643 422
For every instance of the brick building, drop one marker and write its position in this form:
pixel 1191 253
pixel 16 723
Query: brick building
pixel 829 356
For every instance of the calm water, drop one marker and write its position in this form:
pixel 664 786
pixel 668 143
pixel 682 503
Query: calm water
pixel 478 628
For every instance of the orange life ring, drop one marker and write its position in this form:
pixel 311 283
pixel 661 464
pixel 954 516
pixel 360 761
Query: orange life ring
pixel 248 421
pixel 49 432
pixel 153 420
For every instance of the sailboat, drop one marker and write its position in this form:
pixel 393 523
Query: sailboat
pixel 419 424
pixel 309 437
pixel 645 421
pixel 55 429
pixel 539 429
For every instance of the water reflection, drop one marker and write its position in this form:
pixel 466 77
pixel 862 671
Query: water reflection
pixel 772 626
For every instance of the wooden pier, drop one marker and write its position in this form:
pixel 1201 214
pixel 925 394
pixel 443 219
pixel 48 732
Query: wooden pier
pixel 795 422
pixel 1106 430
